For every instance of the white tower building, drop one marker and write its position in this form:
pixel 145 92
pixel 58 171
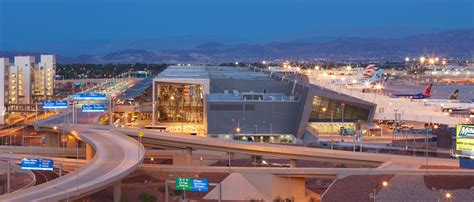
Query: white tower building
pixel 21 80
pixel 25 82
pixel 4 67
pixel 44 77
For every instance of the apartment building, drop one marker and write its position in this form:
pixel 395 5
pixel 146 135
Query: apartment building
pixel 25 82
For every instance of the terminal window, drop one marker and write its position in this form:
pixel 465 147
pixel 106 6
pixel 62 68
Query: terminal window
pixel 328 110
pixel 180 103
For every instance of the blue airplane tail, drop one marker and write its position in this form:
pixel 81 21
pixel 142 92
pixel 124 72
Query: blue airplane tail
pixel 377 76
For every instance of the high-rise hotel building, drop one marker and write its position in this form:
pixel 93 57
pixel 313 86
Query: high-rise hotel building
pixel 44 77
pixel 24 82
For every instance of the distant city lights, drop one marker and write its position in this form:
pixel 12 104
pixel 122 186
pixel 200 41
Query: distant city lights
pixel 422 59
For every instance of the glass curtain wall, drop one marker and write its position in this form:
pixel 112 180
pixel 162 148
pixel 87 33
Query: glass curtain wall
pixel 180 103
pixel 328 110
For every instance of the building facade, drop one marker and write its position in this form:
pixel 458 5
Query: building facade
pixel 4 74
pixel 249 103
pixel 44 78
pixel 21 80
pixel 25 83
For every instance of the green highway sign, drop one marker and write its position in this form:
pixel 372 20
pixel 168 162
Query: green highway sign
pixel 191 184
pixel 184 184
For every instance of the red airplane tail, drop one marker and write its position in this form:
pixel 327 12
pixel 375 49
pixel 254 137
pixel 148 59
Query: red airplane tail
pixel 369 67
pixel 427 91
pixel 368 71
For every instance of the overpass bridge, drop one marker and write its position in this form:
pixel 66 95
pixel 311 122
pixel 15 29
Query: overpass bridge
pixel 59 81
pixel 293 153
pixel 45 151
pixel 306 172
pixel 116 155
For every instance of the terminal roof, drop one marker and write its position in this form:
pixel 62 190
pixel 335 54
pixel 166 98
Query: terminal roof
pixel 137 89
pixel 210 72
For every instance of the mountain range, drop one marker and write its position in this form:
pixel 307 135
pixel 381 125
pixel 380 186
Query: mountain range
pixel 453 43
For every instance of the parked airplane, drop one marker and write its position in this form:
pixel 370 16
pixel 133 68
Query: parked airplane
pixel 458 108
pixel 453 98
pixel 425 94
pixel 368 71
pixel 376 77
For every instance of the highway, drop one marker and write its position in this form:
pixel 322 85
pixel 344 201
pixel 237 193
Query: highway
pixel 306 172
pixel 278 151
pixel 116 156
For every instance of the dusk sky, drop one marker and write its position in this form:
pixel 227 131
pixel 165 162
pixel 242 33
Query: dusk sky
pixel 36 25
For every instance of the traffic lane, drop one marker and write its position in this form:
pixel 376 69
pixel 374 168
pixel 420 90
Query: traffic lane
pixel 279 151
pixel 81 118
pixel 90 173
pixel 102 167
pixel 276 150
pixel 113 160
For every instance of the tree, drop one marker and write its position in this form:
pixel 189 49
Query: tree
pixel 145 197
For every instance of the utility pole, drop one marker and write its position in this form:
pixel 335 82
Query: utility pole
pixel 8 177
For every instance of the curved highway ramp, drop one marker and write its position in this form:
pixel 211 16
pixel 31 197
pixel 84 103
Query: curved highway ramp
pixel 116 156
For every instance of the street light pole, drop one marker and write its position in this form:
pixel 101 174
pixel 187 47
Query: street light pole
pixel 111 113
pixel 64 141
pixel 384 184
pixel 77 164
pixel 140 135
pixel 73 112
pixel 237 131
pixel 8 176
pixel 23 136
pixel 426 151
pixel 36 114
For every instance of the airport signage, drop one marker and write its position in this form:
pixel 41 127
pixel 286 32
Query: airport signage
pixel 93 108
pixel 90 96
pixel 192 184
pixel 466 131
pixel 37 164
pixel 465 138
pixel 55 104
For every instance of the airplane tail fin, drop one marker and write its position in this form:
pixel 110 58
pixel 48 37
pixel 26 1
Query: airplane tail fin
pixel 377 76
pixel 368 71
pixel 427 91
pixel 454 95
pixel 370 67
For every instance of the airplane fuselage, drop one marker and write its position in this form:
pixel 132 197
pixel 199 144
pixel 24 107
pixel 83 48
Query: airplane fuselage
pixel 411 96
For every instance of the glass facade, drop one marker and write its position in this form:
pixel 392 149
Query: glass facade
pixel 328 110
pixel 180 103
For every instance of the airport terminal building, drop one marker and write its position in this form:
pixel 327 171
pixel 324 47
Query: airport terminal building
pixel 250 103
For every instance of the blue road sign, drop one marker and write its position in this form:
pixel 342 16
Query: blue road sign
pixel 93 108
pixel 55 104
pixel 90 96
pixel 37 164
pixel 200 185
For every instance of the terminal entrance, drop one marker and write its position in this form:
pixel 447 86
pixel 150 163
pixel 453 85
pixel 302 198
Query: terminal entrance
pixel 335 128
pixel 263 138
